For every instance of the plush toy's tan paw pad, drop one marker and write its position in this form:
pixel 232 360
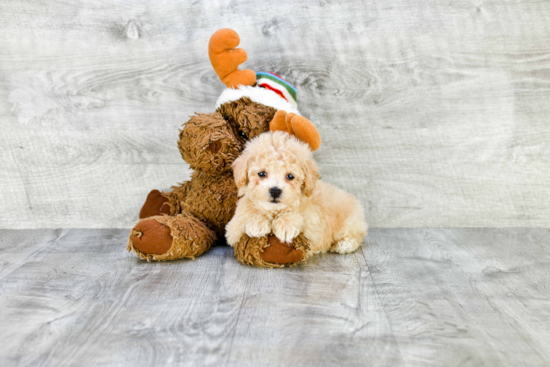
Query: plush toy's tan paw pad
pixel 280 253
pixel 155 204
pixel 151 237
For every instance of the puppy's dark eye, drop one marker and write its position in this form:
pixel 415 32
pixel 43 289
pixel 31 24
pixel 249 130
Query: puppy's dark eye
pixel 243 135
pixel 290 177
pixel 262 174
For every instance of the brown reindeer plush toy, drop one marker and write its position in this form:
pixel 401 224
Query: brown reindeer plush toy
pixel 185 222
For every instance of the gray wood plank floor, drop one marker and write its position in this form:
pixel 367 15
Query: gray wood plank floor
pixel 415 297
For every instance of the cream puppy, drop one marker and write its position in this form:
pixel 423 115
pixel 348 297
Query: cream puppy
pixel 280 193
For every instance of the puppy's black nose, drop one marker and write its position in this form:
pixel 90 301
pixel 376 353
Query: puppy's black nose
pixel 275 192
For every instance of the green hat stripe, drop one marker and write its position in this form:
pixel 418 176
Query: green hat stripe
pixel 289 89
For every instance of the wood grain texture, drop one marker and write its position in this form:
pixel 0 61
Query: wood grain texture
pixel 435 113
pixel 411 297
pixel 478 294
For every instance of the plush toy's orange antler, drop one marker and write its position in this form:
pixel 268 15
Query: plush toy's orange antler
pixel 298 126
pixel 225 59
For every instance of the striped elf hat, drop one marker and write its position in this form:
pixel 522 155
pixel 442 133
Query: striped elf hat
pixel 274 82
pixel 270 90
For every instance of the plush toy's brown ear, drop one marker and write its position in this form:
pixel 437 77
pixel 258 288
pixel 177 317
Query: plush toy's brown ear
pixel 225 59
pixel 240 171
pixel 298 126
pixel 311 176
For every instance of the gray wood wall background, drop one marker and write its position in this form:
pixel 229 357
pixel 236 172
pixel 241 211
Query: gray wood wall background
pixel 435 113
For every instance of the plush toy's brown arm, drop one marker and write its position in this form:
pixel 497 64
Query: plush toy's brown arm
pixel 298 126
pixel 225 59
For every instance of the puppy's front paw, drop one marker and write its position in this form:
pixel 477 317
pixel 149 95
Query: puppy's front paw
pixel 232 237
pixel 286 229
pixel 258 227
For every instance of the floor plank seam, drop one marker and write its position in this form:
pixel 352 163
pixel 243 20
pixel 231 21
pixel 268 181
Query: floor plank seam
pixel 382 305
pixel 237 321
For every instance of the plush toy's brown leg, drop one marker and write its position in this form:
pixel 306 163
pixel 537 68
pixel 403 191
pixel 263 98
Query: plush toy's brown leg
pixel 165 237
pixel 269 252
pixel 169 203
pixel 155 204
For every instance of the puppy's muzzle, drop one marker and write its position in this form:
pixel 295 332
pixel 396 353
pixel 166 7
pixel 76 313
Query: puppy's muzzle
pixel 275 192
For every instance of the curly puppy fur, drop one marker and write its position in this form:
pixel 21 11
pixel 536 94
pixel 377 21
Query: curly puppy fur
pixel 280 193
pixel 199 209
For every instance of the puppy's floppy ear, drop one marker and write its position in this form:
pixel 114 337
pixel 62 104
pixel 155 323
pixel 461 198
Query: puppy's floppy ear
pixel 240 170
pixel 311 176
